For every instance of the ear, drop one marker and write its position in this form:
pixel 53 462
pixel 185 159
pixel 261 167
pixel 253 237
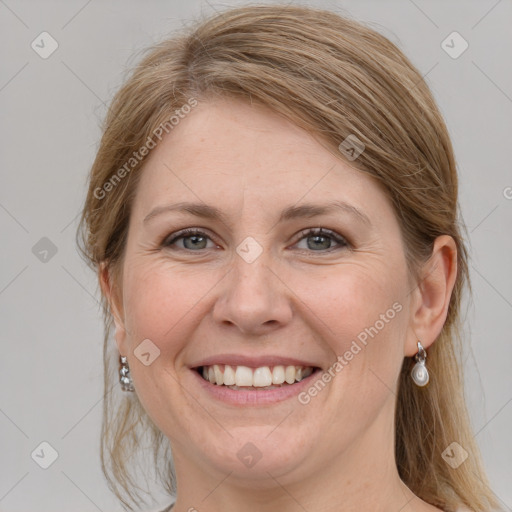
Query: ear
pixel 109 289
pixel 431 298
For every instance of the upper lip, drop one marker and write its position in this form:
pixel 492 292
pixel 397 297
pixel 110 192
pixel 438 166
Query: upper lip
pixel 253 362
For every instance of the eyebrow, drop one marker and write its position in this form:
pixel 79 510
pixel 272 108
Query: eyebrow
pixel 307 210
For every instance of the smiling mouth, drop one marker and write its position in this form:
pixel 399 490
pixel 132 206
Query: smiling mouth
pixel 262 378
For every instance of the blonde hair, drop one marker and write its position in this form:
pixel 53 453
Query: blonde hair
pixel 334 77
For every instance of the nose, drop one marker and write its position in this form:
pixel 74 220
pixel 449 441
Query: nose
pixel 253 298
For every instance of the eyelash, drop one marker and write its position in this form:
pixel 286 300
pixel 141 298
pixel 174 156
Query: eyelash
pixel 185 233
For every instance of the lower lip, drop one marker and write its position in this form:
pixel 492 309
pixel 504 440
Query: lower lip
pixel 250 397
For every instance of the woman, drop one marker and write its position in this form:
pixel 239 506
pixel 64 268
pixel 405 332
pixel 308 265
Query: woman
pixel 273 217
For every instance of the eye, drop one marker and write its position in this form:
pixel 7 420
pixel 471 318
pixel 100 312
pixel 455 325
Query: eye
pixel 321 239
pixel 192 239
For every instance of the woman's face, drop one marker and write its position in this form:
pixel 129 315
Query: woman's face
pixel 256 290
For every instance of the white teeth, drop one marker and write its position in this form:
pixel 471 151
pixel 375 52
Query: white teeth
pixel 278 375
pixel 229 376
pixel 219 380
pixel 289 374
pixel 243 376
pixel 262 377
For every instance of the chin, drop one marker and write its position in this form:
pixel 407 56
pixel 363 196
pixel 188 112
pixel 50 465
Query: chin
pixel 256 456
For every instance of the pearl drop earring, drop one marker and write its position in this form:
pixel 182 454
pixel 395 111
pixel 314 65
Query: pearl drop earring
pixel 419 373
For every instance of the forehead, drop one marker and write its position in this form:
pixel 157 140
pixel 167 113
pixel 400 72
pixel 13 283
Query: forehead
pixel 232 153
pixel 231 135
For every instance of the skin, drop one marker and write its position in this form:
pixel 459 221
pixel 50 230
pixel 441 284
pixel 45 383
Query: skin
pixel 297 298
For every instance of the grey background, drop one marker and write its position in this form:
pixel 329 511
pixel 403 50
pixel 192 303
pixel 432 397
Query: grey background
pixel 51 330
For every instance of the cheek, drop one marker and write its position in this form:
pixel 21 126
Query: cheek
pixel 354 298
pixel 363 319
pixel 157 302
